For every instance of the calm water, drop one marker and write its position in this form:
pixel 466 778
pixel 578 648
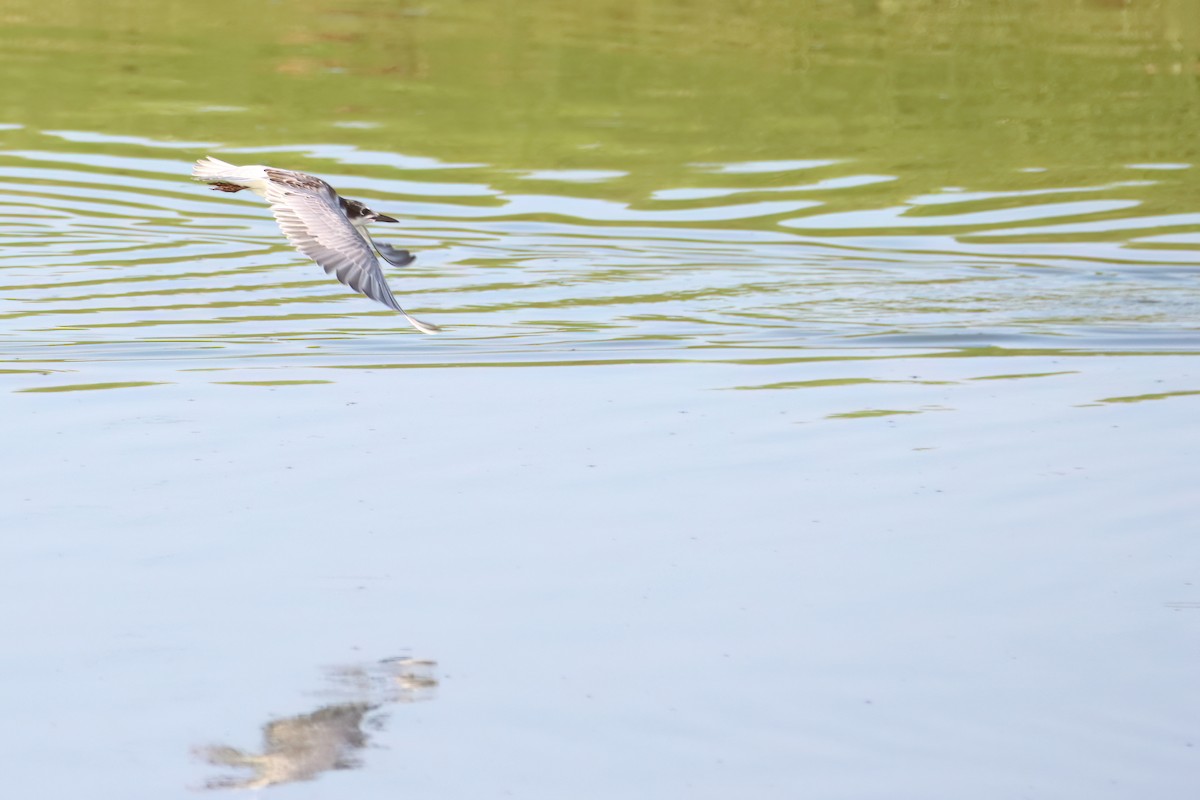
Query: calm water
pixel 821 420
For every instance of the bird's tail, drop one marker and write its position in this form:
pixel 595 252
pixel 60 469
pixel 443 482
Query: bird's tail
pixel 213 169
pixel 230 178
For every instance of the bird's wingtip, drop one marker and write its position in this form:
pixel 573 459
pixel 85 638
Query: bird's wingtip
pixel 394 256
pixel 423 327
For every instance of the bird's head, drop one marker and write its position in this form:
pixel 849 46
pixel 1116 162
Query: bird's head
pixel 358 214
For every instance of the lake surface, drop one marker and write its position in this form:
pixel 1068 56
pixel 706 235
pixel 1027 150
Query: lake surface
pixel 815 414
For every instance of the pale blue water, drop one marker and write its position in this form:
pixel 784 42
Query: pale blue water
pixel 726 494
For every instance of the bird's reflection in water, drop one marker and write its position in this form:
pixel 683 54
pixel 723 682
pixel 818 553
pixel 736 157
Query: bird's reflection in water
pixel 300 748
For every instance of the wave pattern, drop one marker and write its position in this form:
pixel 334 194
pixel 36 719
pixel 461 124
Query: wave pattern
pixel 117 251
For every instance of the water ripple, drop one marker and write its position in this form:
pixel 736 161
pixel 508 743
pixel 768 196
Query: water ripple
pixel 108 246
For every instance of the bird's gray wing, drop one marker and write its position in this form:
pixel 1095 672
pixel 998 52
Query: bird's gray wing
pixel 311 218
pixel 392 255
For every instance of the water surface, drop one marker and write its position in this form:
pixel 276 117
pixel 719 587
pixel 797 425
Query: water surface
pixel 814 416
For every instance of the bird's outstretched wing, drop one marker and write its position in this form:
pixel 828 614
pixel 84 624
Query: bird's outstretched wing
pixel 310 217
pixel 392 255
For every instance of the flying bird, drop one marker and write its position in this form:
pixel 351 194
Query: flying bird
pixel 321 224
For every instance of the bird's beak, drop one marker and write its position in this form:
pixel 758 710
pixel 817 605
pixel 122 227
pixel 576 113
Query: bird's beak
pixel 384 218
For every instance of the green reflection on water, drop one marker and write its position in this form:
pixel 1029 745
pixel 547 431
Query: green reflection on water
pixel 940 93
pixel 690 112
pixel 871 412
pixel 88 387
pixel 1143 397
pixel 1020 376
pixel 828 382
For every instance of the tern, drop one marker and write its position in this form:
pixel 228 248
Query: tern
pixel 321 224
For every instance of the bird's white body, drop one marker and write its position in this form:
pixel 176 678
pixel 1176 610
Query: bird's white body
pixel 327 228
pixel 252 177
